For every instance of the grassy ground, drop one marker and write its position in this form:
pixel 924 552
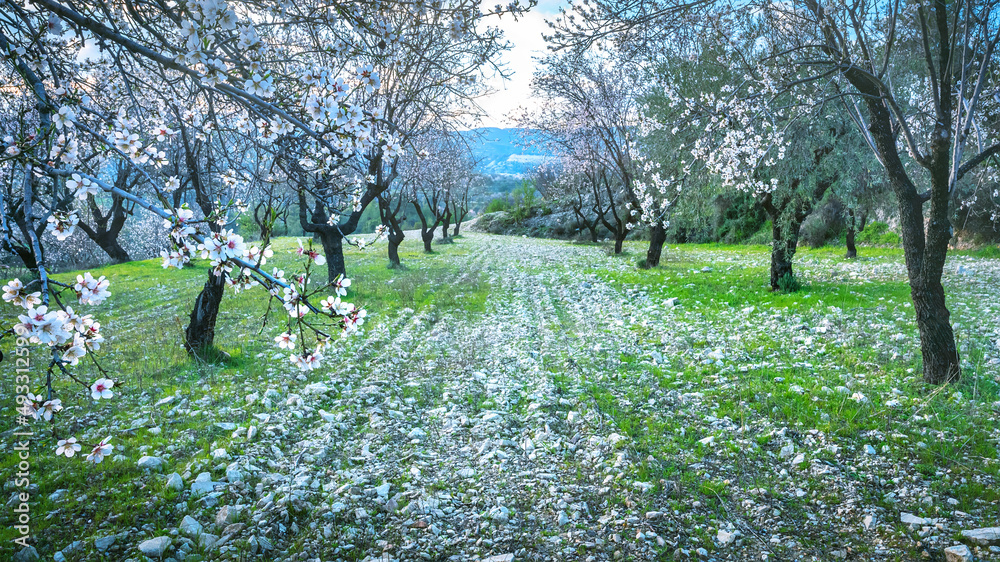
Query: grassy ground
pixel 798 420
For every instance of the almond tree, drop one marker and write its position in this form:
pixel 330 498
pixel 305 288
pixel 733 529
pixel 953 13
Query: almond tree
pixel 595 101
pixel 919 80
pixel 429 63
pixel 275 69
pixel 438 182
pixel 572 189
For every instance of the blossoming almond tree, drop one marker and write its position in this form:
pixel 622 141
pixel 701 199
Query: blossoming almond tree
pixel 214 48
pixel 917 80
pixel 595 100
pixel 429 62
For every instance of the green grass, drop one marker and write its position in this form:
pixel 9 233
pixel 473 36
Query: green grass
pixel 143 322
pixel 702 433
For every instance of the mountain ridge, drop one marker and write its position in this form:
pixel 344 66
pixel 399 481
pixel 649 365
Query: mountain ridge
pixel 504 151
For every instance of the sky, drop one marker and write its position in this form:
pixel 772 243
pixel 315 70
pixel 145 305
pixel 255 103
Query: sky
pixel 525 35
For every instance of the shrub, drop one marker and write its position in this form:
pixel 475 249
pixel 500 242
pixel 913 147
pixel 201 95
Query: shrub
pixel 824 225
pixel 787 283
pixel 763 236
pixel 737 218
pixel 878 234
pixel 247 227
pixel 497 204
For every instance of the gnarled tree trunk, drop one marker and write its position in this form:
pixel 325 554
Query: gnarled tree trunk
pixel 782 251
pixel 333 250
pixel 391 221
pixel 855 225
pixel 787 215
pixel 925 252
pixel 199 335
pixel 619 240
pixel 657 237
pixel 445 226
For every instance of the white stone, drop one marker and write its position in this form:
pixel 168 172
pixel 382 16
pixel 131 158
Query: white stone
pixel 500 513
pixel 383 490
pixel 416 433
pixel 563 518
pixel 151 463
pixel 958 553
pixel 154 548
pixel 228 514
pixel 234 475
pixel 726 537
pixel 175 482
pixel 191 527
pixel 27 554
pixel 200 487
pixel 985 536
pixel 912 520
pixel 207 540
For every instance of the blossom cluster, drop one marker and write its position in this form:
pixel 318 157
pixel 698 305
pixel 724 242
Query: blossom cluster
pixel 70 336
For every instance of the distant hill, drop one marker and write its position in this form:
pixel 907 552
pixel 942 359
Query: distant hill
pixel 503 152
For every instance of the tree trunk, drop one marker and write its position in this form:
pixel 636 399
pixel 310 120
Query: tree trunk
pixel 782 252
pixel 27 258
pixel 458 225
pixel 427 236
pixel 937 340
pixel 925 252
pixel 114 250
pixel 333 250
pixel 199 335
pixel 781 264
pixel 393 248
pixel 446 224
pixel 593 232
pixel 619 239
pixel 657 237
pixel 852 250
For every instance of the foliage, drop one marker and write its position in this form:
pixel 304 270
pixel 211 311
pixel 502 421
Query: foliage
pixel 878 233
pixel 788 283
pixel 497 204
